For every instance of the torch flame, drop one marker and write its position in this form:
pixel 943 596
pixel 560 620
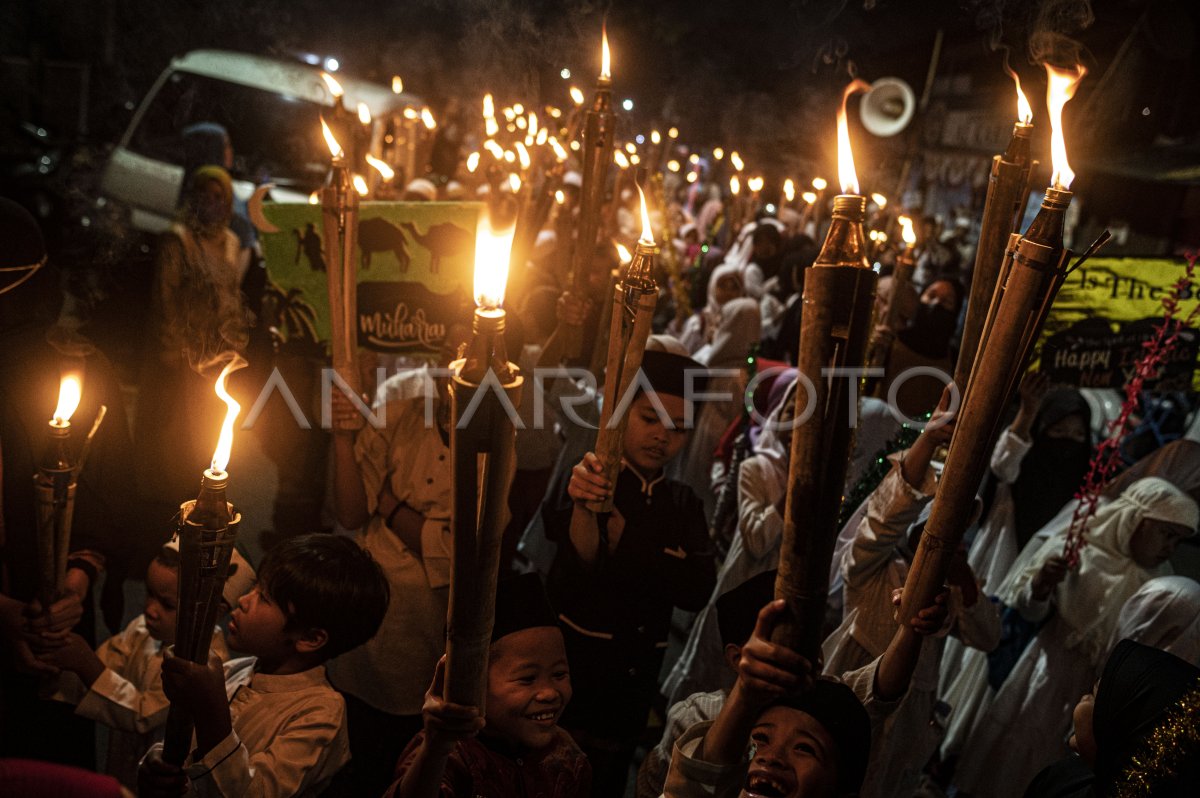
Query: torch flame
pixel 360 185
pixel 907 233
pixel 621 159
pixel 718 153
pixel 879 199
pixel 809 196
pixel 847 177
pixel 647 234
pixel 514 182
pixel 789 190
pixel 655 137
pixel 314 198
pixel 605 56
pixel 1024 109
pixel 364 113
pixel 819 183
pixel 523 155
pixel 623 253
pixel 576 95
pixel 735 185
pixel 335 149
pixel 427 118
pixel 397 84
pixel 1060 87
pixel 385 171
pixel 559 152
pixel 489 107
pixel 542 135
pixel 736 160
pixel 472 162
pixel 755 184
pixel 492 248
pixel 334 87
pixel 70 390
pixel 220 459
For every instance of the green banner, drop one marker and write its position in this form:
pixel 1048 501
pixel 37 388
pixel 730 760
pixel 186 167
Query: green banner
pixel 415 263
pixel 1104 313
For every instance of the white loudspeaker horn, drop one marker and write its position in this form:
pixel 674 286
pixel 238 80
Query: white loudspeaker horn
pixel 888 107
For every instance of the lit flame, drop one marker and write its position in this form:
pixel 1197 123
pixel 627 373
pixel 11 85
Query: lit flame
pixel 605 56
pixel 518 109
pixel 647 234
pixel 1060 87
pixel 510 156
pixel 634 159
pixel 630 147
pixel 542 135
pixel 397 84
pixel 673 133
pixel 523 155
pixel 623 253
pixel 220 459
pixel 755 184
pixel 364 113
pixel 314 198
pixel 509 113
pixel 514 183
pixel 533 125
pixel 385 171
pixel 360 185
pixel 334 87
pixel 693 159
pixel 692 177
pixel 879 199
pixel 736 160
pixel 1024 109
pixel 907 232
pixel 559 152
pixel 819 183
pixel 489 107
pixel 620 159
pixel 335 149
pixel 495 149
pixel 491 126
pixel 560 197
pixel 410 113
pixel 809 197
pixel 576 95
pixel 427 118
pixel 789 190
pixel 655 137
pixel 846 174
pixel 673 165
pixel 735 185
pixel 718 153
pixel 472 162
pixel 70 391
pixel 492 250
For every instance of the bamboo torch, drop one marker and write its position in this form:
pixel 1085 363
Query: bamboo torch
pixel 839 292
pixel 632 310
pixel 485 390
pixel 207 532
pixel 1008 188
pixel 1032 272
pixel 54 485
pixel 901 281
pixel 339 214
pixel 599 125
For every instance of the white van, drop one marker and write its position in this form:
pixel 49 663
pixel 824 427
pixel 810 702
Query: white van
pixel 271 110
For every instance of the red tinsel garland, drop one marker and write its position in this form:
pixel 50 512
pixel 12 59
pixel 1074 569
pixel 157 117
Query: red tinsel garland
pixel 1104 462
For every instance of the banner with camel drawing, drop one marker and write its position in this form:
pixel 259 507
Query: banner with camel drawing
pixel 415 271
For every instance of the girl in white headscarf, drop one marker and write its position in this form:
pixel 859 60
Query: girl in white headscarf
pixel 1128 543
pixel 724 285
pixel 740 329
pixel 1165 614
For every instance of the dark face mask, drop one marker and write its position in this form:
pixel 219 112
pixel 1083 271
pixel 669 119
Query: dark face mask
pixel 931 330
pixel 935 320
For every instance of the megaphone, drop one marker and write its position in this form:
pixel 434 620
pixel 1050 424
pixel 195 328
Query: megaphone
pixel 888 107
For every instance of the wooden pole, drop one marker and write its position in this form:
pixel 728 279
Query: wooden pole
pixel 839 293
pixel 1030 277
pixel 339 206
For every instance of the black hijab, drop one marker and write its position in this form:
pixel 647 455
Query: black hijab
pixel 1146 722
pixel 1053 468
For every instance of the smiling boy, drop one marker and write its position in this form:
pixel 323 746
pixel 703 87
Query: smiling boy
pixel 517 748
pixel 617 577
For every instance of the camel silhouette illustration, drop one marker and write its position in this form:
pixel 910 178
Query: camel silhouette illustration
pixel 443 240
pixel 380 235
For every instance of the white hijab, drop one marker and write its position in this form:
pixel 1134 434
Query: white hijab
pixel 740 328
pixel 771 440
pixel 1165 614
pixel 1091 597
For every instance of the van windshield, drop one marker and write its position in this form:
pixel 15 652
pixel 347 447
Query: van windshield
pixel 275 137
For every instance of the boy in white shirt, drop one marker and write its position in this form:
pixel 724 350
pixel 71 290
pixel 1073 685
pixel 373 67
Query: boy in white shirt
pixel 271 724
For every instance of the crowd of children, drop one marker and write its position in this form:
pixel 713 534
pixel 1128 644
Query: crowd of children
pixel 632 649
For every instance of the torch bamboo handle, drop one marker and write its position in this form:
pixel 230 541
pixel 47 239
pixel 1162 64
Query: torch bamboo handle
pixel 340 226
